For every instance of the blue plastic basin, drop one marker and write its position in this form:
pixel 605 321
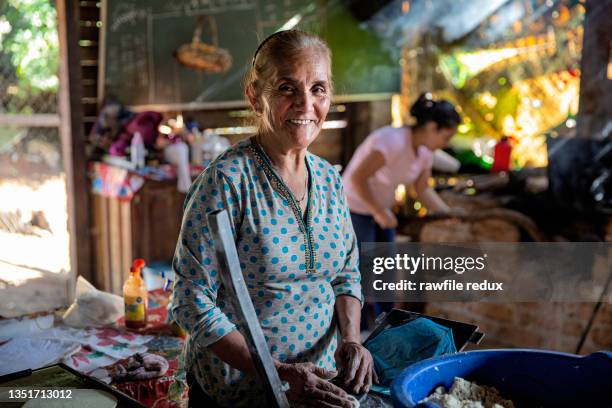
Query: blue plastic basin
pixel 530 378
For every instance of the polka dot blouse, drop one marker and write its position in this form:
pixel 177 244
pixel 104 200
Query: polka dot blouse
pixel 294 266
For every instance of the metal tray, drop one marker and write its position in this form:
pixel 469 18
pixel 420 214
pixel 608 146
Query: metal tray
pixel 60 376
pixel 463 333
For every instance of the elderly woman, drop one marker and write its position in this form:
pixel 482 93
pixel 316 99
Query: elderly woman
pixel 294 238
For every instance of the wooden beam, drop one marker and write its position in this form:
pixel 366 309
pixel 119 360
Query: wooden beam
pixel 239 104
pixel 358 117
pixel 36 120
pixel 73 139
pixel 595 108
pixel 102 53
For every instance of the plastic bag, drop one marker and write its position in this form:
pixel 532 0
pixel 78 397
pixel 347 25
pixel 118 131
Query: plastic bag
pixel 93 307
pixel 396 348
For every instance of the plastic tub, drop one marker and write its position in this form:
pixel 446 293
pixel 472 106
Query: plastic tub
pixel 530 378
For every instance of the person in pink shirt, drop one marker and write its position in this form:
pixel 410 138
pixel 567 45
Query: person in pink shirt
pixel 392 156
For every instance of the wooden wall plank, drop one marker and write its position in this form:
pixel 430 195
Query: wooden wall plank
pixel 114 227
pixel 90 109
pixel 89 90
pixel 89 53
pixel 89 32
pixel 73 141
pixel 36 120
pixel 100 235
pixel 89 72
pixel 90 14
pixel 89 37
pixel 126 238
pixel 595 107
pixel 106 241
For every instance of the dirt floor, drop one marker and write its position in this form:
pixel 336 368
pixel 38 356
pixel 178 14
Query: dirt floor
pixel 34 260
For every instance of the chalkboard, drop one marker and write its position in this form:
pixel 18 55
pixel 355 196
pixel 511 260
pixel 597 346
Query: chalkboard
pixel 140 38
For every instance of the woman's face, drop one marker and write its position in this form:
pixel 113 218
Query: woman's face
pixel 298 98
pixel 437 138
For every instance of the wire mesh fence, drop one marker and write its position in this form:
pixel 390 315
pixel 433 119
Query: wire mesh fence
pixel 29 83
pixel 29 57
pixel 33 196
pixel 32 153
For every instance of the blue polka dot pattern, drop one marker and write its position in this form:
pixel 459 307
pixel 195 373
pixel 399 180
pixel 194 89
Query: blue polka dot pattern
pixel 294 305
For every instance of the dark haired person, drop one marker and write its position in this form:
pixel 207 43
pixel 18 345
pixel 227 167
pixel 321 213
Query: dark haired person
pixel 392 156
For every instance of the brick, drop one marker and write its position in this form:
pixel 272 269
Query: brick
pixel 588 347
pixel 604 316
pixel 609 230
pixel 446 231
pixel 518 337
pixel 555 326
pixel 492 230
pixel 495 230
pixel 579 311
pixel 560 343
pixel 601 337
pixel 554 316
pixel 499 312
pixel 433 310
pixel 600 271
pixel 574 328
pixel 540 317
pixel 492 343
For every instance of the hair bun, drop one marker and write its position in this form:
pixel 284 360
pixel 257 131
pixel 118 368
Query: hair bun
pixel 422 106
pixel 442 112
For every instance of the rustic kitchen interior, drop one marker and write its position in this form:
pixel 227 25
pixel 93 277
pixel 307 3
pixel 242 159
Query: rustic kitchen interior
pixel 110 109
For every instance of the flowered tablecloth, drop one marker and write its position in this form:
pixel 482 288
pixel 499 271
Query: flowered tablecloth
pixel 167 391
pixel 101 346
pixel 171 389
pixel 120 183
pixel 113 181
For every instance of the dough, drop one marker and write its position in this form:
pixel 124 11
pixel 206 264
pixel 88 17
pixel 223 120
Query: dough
pixel 353 400
pixel 81 398
pixel 465 394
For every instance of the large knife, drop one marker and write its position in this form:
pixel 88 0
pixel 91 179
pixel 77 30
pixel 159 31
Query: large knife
pixel 231 275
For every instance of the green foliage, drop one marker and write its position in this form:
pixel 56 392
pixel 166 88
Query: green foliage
pixel 29 53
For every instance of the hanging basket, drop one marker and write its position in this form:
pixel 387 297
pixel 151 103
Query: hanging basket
pixel 204 57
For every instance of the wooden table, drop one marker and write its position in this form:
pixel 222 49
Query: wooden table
pixel 143 224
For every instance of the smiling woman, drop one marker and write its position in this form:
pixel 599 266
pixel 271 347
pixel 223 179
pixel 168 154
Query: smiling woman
pixel 295 239
pixel 289 88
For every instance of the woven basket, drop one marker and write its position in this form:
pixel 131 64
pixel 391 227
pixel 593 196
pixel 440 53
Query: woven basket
pixel 204 57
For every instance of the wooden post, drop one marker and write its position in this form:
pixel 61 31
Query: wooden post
pixel 73 140
pixel 595 87
pixel 358 117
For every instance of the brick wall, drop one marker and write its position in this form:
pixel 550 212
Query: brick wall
pixel 546 325
pixel 554 326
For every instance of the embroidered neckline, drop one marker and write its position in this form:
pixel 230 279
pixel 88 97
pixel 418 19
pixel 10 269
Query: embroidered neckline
pixel 265 163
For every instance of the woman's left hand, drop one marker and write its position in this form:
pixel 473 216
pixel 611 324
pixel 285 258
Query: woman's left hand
pixel 356 367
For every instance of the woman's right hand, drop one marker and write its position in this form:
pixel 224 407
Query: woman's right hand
pixel 309 385
pixel 385 218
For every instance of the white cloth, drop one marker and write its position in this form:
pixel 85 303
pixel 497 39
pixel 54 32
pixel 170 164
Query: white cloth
pixel 58 344
pixel 178 154
pixel 23 353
